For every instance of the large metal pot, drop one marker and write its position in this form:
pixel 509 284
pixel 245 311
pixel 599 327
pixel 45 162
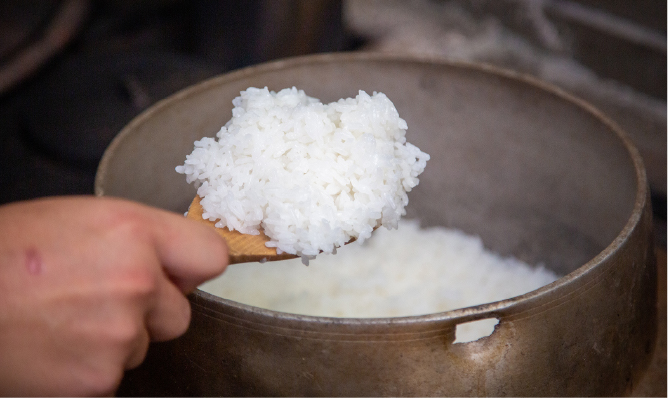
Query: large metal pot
pixel 535 172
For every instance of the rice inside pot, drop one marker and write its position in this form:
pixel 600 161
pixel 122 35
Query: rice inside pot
pixel 312 175
pixel 403 272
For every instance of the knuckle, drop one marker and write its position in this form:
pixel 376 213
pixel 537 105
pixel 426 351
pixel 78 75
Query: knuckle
pixel 123 334
pixel 128 222
pixel 142 283
pixel 134 287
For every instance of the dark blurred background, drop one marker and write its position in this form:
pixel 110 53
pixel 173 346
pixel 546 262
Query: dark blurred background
pixel 74 72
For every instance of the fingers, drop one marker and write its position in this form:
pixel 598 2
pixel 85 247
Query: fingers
pixel 167 317
pixel 190 253
pixel 112 269
pixel 170 316
pixel 138 354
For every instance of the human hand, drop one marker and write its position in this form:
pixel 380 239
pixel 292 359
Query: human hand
pixel 86 283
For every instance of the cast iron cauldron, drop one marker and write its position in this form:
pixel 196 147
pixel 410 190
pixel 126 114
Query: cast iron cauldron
pixel 536 173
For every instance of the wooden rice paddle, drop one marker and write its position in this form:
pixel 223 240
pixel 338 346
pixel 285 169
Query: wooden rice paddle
pixel 242 248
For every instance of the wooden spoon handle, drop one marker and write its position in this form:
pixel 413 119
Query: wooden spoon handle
pixel 242 248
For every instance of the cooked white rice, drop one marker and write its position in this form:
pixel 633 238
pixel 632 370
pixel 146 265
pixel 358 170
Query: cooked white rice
pixel 312 175
pixel 409 271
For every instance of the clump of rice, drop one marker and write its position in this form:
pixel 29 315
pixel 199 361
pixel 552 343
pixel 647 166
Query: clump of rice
pixel 404 272
pixel 312 175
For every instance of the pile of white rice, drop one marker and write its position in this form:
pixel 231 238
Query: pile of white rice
pixel 403 272
pixel 311 175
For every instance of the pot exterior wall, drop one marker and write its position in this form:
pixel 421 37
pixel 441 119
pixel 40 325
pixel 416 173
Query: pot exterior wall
pixel 594 339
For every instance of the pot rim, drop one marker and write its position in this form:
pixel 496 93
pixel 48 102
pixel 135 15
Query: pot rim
pixel 466 314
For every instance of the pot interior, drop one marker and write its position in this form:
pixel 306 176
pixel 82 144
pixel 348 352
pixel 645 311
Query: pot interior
pixel 532 172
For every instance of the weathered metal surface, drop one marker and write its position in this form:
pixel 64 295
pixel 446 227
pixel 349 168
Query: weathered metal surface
pixel 533 171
